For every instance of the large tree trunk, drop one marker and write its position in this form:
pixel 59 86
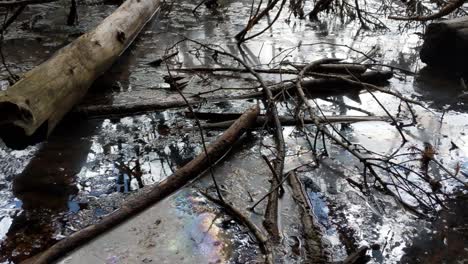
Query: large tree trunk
pixel 30 109
pixel 446 45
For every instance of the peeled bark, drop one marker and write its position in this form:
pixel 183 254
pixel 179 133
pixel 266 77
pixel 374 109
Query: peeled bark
pixel 446 45
pixel 30 109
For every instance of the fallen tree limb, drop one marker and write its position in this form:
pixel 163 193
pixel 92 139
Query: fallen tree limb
pixel 31 108
pixel 230 116
pixel 289 121
pixel 136 102
pixel 240 37
pixel 151 195
pixel 271 212
pixel 343 141
pixel 263 242
pixel 329 84
pixel 315 252
pixel 325 68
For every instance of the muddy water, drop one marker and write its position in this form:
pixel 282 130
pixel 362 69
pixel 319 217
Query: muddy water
pixel 80 174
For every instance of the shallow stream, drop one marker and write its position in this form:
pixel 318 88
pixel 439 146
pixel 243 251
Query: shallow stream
pixel 54 188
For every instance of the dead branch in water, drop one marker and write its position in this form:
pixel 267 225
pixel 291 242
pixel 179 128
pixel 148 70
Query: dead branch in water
pixel 202 136
pixel 313 244
pixel 345 144
pixel 289 121
pixel 263 241
pixel 137 102
pixel 241 36
pixel 325 68
pixel 154 194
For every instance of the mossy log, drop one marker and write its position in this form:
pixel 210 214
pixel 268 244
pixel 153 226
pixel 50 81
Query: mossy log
pixel 31 108
pixel 446 46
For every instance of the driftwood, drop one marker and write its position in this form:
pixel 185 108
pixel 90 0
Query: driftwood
pixel 30 109
pixel 446 45
pixel 154 194
pixel 137 102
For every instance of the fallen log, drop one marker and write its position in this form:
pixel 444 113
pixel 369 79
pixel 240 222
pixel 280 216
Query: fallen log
pixel 151 195
pixel 31 108
pixel 135 102
pixel 138 102
pixel 446 46
pixel 230 116
pixel 289 121
pixel 343 68
pixel 328 84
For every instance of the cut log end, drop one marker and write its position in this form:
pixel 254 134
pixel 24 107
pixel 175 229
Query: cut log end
pixel 445 46
pixel 14 110
pixel 15 118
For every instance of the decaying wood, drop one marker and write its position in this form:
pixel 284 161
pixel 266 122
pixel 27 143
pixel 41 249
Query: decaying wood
pixel 345 145
pixel 30 109
pixel 330 84
pixel 327 68
pixel 315 252
pixel 230 116
pixel 288 121
pixel 135 102
pixel 271 212
pixel 446 45
pixel 153 194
